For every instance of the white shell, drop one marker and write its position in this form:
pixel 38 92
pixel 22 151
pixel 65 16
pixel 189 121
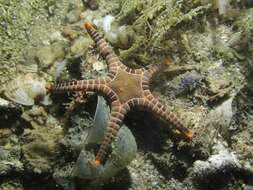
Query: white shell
pixel 107 22
pixel 98 66
pixel 3 102
pixel 25 89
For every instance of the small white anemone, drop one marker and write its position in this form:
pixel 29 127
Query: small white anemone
pixel 107 22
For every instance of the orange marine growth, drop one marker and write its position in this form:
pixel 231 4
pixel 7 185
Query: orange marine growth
pixel 124 88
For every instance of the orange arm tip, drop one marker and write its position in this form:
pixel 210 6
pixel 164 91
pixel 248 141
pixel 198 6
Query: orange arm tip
pixel 97 163
pixel 88 25
pixel 189 135
pixel 168 62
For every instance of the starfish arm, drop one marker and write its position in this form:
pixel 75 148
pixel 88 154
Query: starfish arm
pixel 155 69
pixel 81 85
pixel 117 115
pixel 151 104
pixel 134 71
pixel 105 49
pixel 139 71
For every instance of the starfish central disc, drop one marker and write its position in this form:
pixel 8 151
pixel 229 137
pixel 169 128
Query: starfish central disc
pixel 126 86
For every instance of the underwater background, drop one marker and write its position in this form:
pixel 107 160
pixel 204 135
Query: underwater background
pixel 47 140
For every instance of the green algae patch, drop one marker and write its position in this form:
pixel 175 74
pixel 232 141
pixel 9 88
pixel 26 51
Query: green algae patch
pixel 41 149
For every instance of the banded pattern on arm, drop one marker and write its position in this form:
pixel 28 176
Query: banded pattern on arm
pixel 117 115
pixel 153 105
pixel 105 49
pixel 155 69
pixel 81 85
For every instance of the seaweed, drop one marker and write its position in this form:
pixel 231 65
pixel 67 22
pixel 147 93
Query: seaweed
pixel 153 23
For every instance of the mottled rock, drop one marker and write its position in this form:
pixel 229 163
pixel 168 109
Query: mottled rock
pixel 11 185
pixel 9 111
pixel 73 16
pixel 93 4
pixel 219 167
pixel 80 46
pixel 45 56
pixel 69 33
pixel 63 176
pixel 37 116
pixel 184 84
pixel 220 117
pixel 10 160
pixel 40 149
pixel 121 36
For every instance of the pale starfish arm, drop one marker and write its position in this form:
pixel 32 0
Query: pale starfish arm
pixel 105 49
pixel 117 115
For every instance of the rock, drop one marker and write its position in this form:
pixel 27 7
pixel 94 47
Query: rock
pixel 10 160
pixel 222 6
pixel 75 4
pixel 9 111
pixel 216 168
pixel 248 187
pixel 69 33
pixel 144 174
pixel 121 36
pixel 37 116
pixel 74 10
pixel 80 46
pixel 45 56
pixel 56 36
pixel 222 114
pixel 77 132
pixel 93 4
pixel 220 118
pixel 217 78
pixel 63 177
pixel 11 185
pixel 40 149
pixel 184 84
pixel 73 16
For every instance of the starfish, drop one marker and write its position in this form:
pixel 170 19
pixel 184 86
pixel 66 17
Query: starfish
pixel 124 88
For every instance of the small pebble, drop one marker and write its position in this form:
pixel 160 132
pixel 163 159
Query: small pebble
pixel 93 4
